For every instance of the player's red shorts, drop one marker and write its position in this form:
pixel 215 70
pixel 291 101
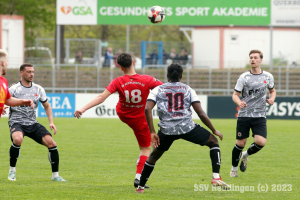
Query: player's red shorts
pixel 140 129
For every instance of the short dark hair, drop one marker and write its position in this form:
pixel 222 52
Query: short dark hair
pixel 175 71
pixel 257 51
pixel 124 60
pixel 25 65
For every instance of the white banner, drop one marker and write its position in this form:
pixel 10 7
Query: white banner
pixel 108 108
pixel 76 12
pixel 285 12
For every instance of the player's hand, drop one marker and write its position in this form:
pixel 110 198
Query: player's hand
pixel 155 140
pixel 52 127
pixel 219 134
pixel 242 104
pixel 4 110
pixel 78 113
pixel 270 101
pixel 28 102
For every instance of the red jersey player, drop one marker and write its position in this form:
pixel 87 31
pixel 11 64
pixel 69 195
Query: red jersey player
pixel 133 91
pixel 5 97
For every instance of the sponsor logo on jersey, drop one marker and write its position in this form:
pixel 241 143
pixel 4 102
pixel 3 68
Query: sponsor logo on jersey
pixel 2 96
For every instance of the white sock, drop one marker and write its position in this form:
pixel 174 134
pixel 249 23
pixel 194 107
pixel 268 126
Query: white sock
pixel 54 174
pixel 234 168
pixel 246 154
pixel 216 175
pixel 138 176
pixel 12 169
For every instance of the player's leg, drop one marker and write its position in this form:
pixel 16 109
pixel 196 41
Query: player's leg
pixel 259 130
pixel 42 136
pixel 201 136
pixel 242 133
pixel 165 143
pixel 17 136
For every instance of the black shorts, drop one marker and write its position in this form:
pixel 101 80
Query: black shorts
pixel 198 135
pixel 35 131
pixel 257 125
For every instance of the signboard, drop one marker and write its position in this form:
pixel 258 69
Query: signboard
pixel 200 12
pixel 63 105
pixel 285 12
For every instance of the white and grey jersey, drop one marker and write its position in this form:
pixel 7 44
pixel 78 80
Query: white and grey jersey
pixel 25 115
pixel 174 100
pixel 254 91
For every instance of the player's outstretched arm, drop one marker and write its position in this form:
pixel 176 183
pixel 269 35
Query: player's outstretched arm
pixel 148 112
pixel 205 119
pixel 272 96
pixel 97 100
pixel 49 114
pixel 236 99
pixel 12 101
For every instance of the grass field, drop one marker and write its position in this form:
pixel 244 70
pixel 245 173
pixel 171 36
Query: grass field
pixel 98 160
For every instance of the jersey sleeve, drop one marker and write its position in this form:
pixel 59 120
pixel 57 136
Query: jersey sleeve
pixel 271 82
pixel 43 96
pixel 153 94
pixel 112 87
pixel 239 85
pixel 154 83
pixel 8 94
pixel 194 97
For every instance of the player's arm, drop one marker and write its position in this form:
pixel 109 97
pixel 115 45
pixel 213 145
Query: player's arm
pixel 205 119
pixel 148 112
pixel 12 101
pixel 272 96
pixel 236 99
pixel 97 100
pixel 49 114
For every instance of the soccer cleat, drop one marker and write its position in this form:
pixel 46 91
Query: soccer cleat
pixel 137 182
pixel 140 189
pixel 58 178
pixel 220 183
pixel 243 165
pixel 12 176
pixel 233 174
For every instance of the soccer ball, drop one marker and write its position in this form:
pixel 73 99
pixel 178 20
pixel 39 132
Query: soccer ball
pixel 156 14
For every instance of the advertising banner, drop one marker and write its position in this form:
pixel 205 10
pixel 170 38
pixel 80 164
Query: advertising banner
pixel 283 108
pixel 200 12
pixel 285 12
pixel 63 105
pixel 108 108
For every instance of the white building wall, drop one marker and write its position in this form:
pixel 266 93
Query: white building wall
pixel 13 41
pixel 206 47
pixel 237 42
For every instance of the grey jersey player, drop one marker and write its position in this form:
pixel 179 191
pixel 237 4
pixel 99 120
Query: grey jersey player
pixel 174 100
pixel 253 85
pixel 22 122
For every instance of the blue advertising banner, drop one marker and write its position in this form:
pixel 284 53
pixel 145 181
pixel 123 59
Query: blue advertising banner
pixel 63 105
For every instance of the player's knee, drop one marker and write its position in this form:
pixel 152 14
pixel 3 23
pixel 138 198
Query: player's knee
pixel 241 143
pixel 212 141
pixel 261 142
pixel 48 141
pixel 18 140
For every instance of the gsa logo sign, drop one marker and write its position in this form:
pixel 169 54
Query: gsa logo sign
pixel 63 105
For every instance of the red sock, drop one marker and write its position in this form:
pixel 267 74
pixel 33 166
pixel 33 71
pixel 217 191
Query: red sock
pixel 140 164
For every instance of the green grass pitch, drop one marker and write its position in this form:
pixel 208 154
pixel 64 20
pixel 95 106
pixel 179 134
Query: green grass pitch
pixel 98 160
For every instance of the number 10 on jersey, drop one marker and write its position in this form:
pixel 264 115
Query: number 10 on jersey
pixel 175 102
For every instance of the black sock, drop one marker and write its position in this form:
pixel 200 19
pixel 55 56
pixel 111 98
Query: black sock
pixel 147 170
pixel 54 158
pixel 254 148
pixel 215 156
pixel 14 153
pixel 236 155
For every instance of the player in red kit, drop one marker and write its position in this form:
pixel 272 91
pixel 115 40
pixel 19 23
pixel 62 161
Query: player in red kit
pixel 133 91
pixel 5 97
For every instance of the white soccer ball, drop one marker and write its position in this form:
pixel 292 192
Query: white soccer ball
pixel 156 14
